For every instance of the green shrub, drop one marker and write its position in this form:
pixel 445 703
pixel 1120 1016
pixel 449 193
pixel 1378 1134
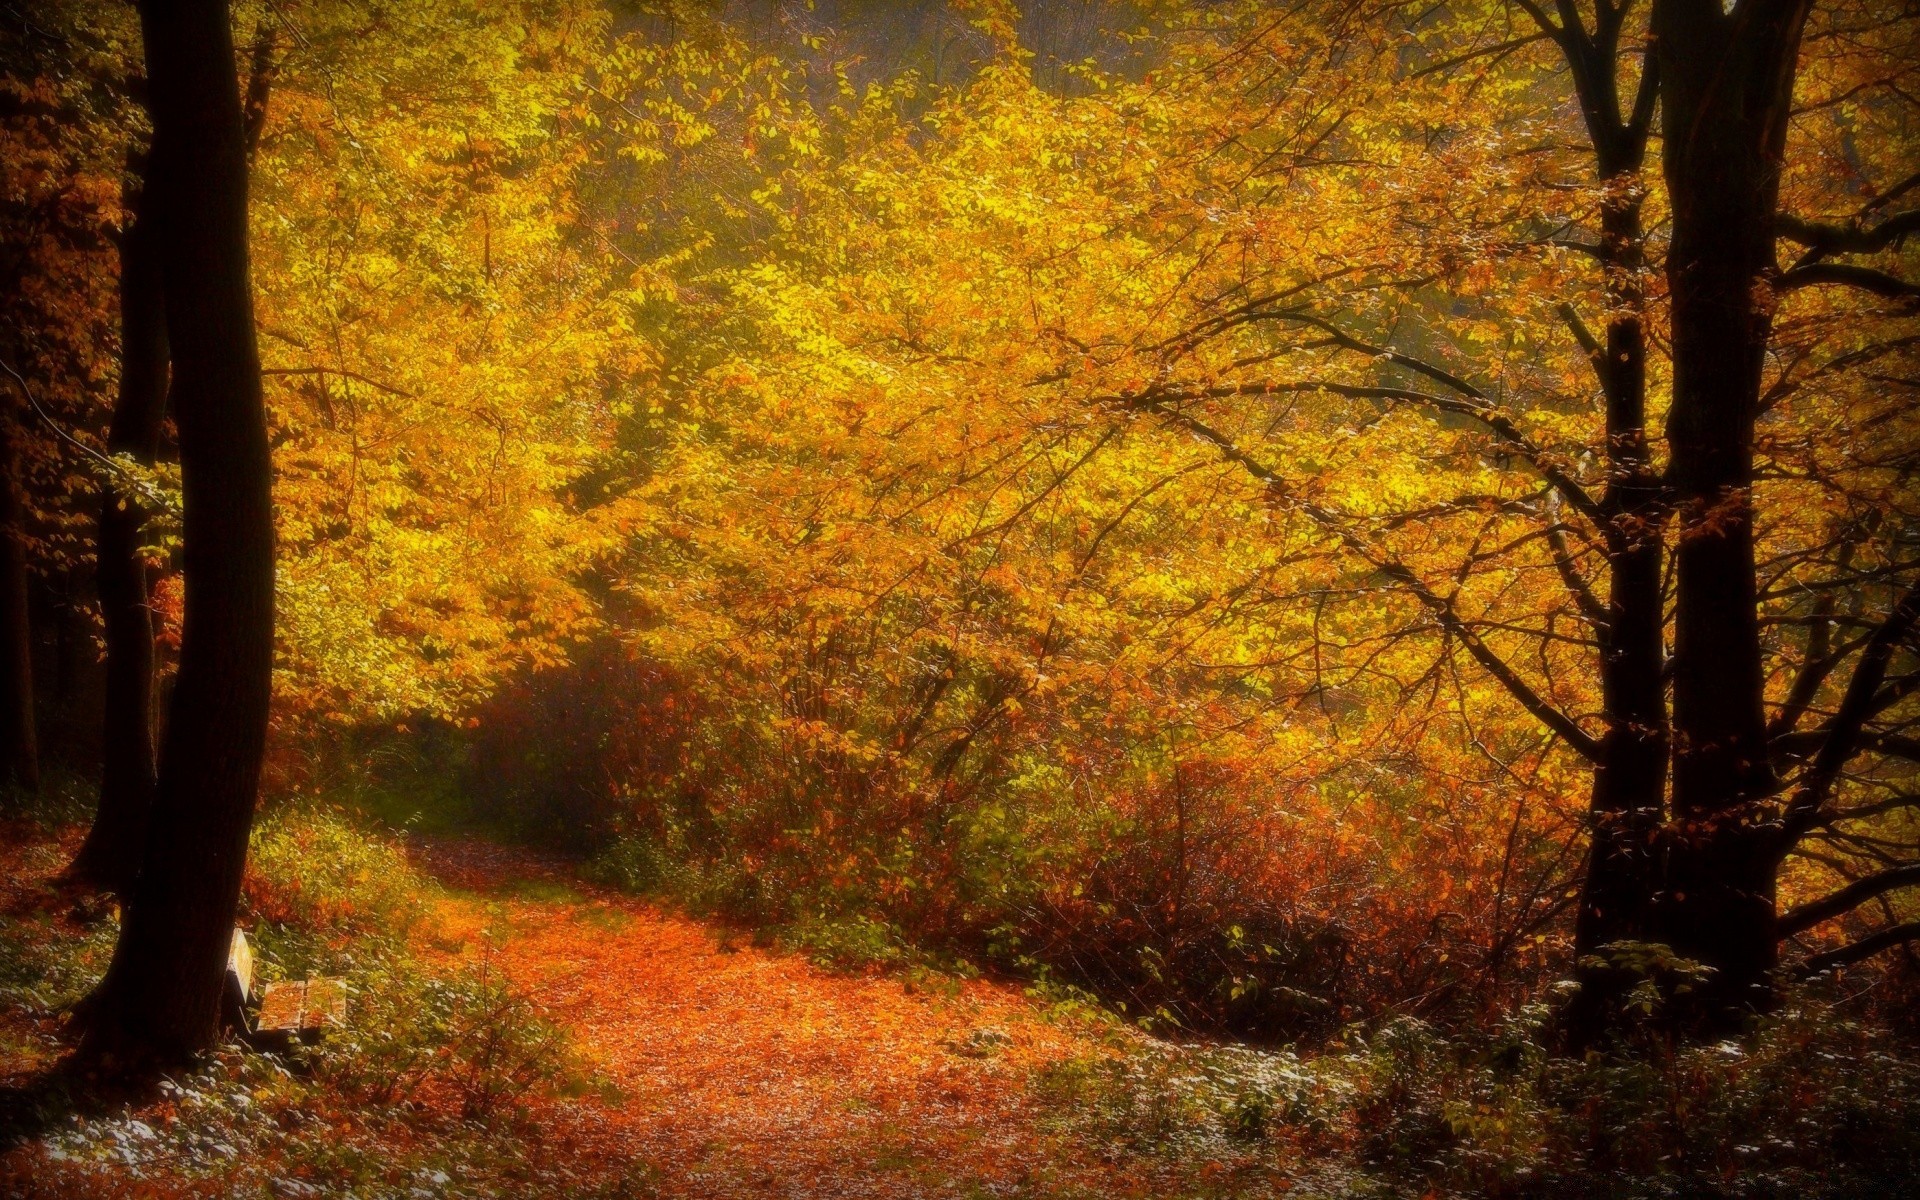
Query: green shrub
pixel 322 889
pixel 847 943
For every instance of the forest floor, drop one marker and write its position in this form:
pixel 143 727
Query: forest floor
pixel 743 1071
pixel 723 1068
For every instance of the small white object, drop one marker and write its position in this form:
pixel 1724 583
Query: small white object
pixel 240 964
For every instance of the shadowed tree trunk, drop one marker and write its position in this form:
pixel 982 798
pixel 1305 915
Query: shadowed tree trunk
pixel 110 857
pixel 160 1001
pixel 1628 801
pixel 19 746
pixel 1726 91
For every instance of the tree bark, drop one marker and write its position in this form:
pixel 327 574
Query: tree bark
pixel 160 1002
pixel 1628 801
pixel 19 744
pixel 1726 92
pixel 110 857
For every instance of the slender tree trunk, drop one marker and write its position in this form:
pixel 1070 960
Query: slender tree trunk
pixel 1629 785
pixel 1628 803
pixel 1726 92
pixel 19 745
pixel 110 857
pixel 160 1001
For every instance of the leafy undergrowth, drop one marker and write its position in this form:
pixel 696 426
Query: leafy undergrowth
pixel 1811 1104
pixel 514 1032
pixel 445 1080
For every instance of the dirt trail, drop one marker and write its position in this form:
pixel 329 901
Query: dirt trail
pixel 745 1072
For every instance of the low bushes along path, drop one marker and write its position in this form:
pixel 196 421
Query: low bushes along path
pixel 748 1072
pixel 737 1071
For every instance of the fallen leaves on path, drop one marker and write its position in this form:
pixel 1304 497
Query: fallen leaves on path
pixel 723 1068
pixel 745 1072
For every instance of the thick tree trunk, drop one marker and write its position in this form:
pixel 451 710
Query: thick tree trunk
pixel 160 1001
pixel 19 745
pixel 110 857
pixel 1726 91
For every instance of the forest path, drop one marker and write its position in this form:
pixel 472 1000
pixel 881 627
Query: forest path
pixel 748 1072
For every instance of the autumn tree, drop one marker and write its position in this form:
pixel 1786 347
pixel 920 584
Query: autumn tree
pixel 1727 98
pixel 1725 87
pixel 1370 293
pixel 110 857
pixel 1256 509
pixel 160 1000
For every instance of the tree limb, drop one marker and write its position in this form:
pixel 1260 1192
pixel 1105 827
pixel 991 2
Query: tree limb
pixel 375 384
pixel 1867 947
pixel 1843 730
pixel 1471 404
pixel 1806 916
pixel 1596 353
pixel 1823 238
pixel 1442 609
pixel 1866 279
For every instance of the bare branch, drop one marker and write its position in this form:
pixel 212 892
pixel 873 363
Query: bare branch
pixel 1866 279
pixel 1867 947
pixel 1843 730
pixel 1442 609
pixel 1806 916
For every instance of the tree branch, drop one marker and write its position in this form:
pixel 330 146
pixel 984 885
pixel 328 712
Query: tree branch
pixel 375 384
pixel 1843 730
pixel 1866 279
pixel 1442 609
pixel 1473 405
pixel 1589 604
pixel 1483 52
pixel 1596 353
pixel 1822 238
pixel 1867 947
pixel 1814 669
pixel 1806 916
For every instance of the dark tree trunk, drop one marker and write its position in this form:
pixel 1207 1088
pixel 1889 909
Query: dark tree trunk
pixel 160 1001
pixel 110 857
pixel 19 745
pixel 1629 784
pixel 1726 92
pixel 1628 803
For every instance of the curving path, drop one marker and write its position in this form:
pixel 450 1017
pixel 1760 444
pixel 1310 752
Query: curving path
pixel 745 1072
